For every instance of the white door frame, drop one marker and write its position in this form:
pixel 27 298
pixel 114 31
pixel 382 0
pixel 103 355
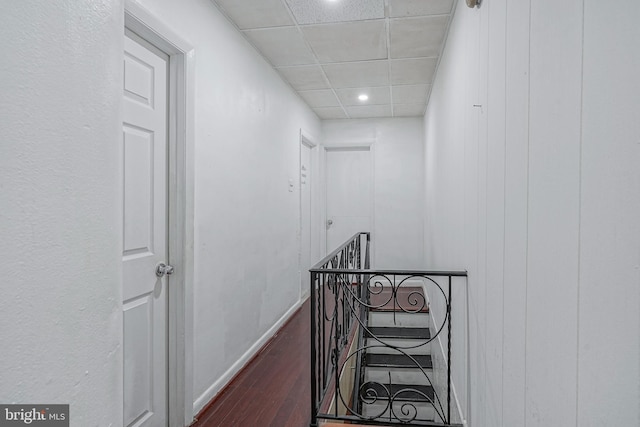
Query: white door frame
pixel 370 144
pixel 309 141
pixel 180 209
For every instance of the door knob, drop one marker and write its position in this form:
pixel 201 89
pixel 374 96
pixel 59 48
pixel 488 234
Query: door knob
pixel 164 269
pixel 329 222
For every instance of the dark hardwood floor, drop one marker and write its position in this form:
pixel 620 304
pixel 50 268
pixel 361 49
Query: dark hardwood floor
pixel 274 389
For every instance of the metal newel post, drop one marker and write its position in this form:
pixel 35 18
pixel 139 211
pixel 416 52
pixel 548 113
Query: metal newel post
pixel 314 421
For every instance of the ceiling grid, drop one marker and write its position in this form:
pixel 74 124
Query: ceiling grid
pixel 333 51
pixel 386 14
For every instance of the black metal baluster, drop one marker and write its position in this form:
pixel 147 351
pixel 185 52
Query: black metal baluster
pixel 449 355
pixel 335 356
pixel 323 322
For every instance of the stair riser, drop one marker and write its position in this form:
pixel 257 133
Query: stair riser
pixel 407 376
pixel 386 318
pixel 422 349
pixel 425 411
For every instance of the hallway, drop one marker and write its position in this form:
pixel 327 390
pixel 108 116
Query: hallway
pixel 512 156
pixel 273 389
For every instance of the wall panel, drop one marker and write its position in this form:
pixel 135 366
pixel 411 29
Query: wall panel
pixel 609 328
pixel 550 201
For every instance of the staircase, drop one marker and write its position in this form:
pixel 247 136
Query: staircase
pixel 396 366
pixel 376 356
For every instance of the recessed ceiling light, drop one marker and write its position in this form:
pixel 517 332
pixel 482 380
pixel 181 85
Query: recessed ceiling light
pixel 363 97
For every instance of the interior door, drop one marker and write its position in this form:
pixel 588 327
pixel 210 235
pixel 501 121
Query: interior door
pixel 145 233
pixel 305 217
pixel 349 188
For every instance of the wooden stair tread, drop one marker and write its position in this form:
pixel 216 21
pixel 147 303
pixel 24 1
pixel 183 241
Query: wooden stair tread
pixel 383 360
pixel 398 332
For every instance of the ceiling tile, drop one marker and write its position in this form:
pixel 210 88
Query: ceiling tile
pixel 410 94
pixel 282 46
pixel 320 98
pixel 358 74
pixel 353 41
pixel 377 95
pixel 400 8
pixel 417 37
pixel 412 71
pixel 327 113
pixel 256 13
pixel 408 110
pixel 369 111
pixel 333 51
pixel 305 77
pixel 323 11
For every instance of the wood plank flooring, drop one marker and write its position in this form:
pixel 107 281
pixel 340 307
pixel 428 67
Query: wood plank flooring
pixel 274 389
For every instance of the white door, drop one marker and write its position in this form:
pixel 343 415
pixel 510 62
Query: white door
pixel 145 234
pixel 305 217
pixel 349 187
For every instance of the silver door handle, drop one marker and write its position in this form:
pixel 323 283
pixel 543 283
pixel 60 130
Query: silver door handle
pixel 164 269
pixel 329 222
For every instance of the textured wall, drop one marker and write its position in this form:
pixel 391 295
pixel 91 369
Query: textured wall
pixel 246 221
pixel 60 206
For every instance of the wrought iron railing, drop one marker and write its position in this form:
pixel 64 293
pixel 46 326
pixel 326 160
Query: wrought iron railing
pixel 349 347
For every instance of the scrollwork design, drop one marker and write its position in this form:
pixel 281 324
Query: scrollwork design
pixel 334 319
pixel 372 392
pixel 345 298
pixel 415 299
pixel 407 411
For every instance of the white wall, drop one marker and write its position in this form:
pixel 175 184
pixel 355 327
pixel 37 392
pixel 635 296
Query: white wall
pixel 246 221
pixel 398 184
pixel 60 206
pixel 60 189
pixel 536 191
pixel 609 294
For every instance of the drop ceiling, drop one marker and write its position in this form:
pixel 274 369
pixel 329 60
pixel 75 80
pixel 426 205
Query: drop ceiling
pixel 333 51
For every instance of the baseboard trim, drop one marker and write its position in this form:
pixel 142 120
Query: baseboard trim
pixel 205 400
